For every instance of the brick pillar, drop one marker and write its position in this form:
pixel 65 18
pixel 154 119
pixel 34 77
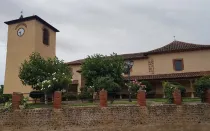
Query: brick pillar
pixel 16 98
pixel 207 97
pixel 141 97
pixel 177 97
pixel 57 100
pixel 103 98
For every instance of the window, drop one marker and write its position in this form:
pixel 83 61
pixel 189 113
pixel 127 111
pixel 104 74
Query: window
pixel 45 36
pixel 178 64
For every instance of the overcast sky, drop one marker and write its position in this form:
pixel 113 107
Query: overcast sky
pixel 106 26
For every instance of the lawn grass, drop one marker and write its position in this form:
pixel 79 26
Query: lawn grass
pixel 124 102
pixel 191 100
pixel 116 102
pixel 40 105
pixel 157 100
pixel 83 104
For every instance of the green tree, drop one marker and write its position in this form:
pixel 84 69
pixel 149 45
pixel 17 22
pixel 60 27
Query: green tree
pixel 47 75
pixel 106 83
pixel 201 86
pixel 99 66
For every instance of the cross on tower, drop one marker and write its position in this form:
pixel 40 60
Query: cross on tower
pixel 21 16
pixel 174 38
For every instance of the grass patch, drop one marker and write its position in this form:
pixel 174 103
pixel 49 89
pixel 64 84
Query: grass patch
pixel 191 100
pixel 40 105
pixel 124 102
pixel 163 100
pixel 157 100
pixel 83 104
pixel 116 102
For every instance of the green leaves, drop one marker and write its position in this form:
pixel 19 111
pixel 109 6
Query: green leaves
pixel 106 83
pixel 201 85
pixel 33 71
pixel 136 85
pixel 169 88
pixel 97 68
pixel 37 70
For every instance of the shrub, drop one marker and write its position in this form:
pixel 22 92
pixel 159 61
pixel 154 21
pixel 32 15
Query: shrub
pixel 4 97
pixel 24 102
pixel 70 96
pixel 169 88
pixel 201 85
pixel 136 85
pixel 107 83
pixel 36 95
pixel 180 87
pixel 85 94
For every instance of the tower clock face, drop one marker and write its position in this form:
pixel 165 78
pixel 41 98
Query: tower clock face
pixel 20 32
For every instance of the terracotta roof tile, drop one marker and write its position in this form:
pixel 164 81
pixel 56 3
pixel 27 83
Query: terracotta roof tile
pixel 125 56
pixel 178 46
pixel 76 62
pixel 175 46
pixel 170 76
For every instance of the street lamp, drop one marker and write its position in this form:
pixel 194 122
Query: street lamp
pixel 128 66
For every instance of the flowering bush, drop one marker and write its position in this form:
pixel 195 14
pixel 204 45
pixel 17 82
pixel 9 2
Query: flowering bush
pixel 136 85
pixel 45 74
pixel 56 82
pixel 169 88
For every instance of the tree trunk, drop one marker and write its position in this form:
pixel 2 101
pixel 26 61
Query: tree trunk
pixel 130 100
pixel 45 96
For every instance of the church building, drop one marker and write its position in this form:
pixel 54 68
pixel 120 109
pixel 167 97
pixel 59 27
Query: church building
pixel 177 61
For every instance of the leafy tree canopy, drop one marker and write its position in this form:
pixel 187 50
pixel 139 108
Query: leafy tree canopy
pixel 98 68
pixel 44 74
pixel 106 83
pixel 201 85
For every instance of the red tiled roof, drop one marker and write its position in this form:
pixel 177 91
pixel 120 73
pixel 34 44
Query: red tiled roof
pixel 178 46
pixel 170 76
pixel 133 56
pixel 124 56
pixel 76 62
pixel 175 46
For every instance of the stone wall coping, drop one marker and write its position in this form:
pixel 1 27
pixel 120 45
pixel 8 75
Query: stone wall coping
pixel 113 107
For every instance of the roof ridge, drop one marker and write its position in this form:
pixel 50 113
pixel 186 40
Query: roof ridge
pixel 178 46
pixel 174 46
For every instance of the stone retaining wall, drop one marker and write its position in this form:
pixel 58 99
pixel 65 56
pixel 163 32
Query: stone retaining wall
pixel 121 118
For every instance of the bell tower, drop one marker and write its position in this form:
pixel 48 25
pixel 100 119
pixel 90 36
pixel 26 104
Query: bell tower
pixel 25 36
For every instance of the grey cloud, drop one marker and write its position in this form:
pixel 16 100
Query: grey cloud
pixel 106 26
